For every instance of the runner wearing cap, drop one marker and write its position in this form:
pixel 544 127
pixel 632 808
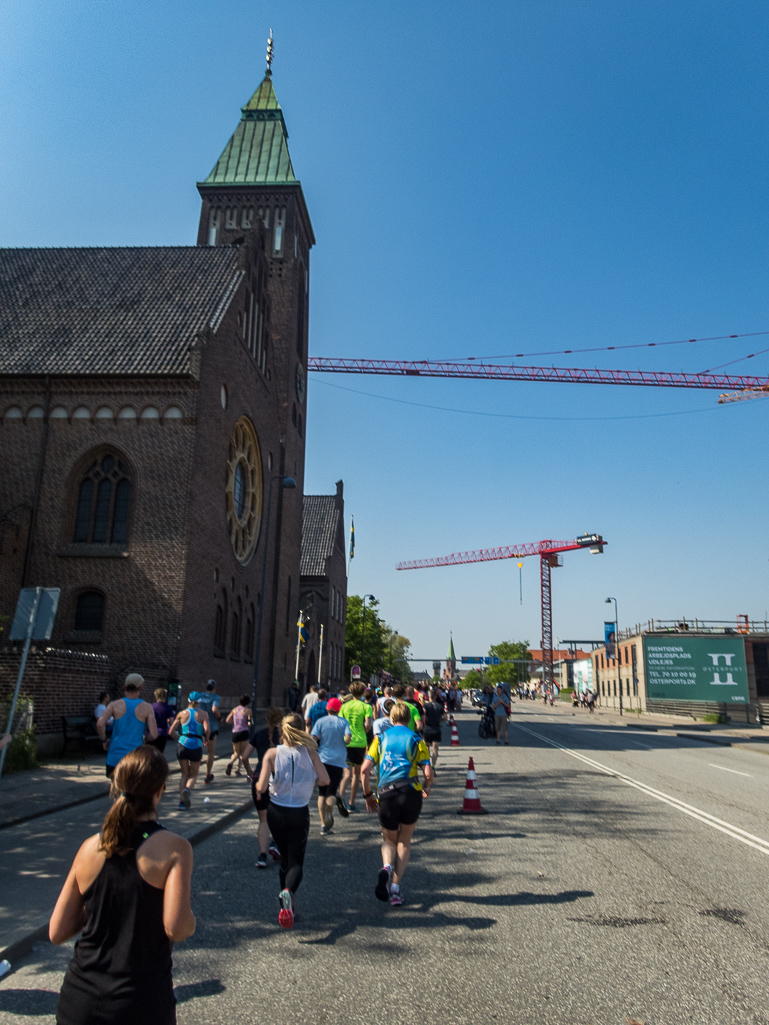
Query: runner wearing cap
pixel 191 725
pixel 332 734
pixel 208 702
pixel 399 753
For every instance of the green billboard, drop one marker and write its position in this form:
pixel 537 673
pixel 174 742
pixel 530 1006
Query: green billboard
pixel 696 668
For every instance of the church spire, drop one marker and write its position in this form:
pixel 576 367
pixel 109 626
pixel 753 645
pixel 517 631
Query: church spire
pixel 257 153
pixel 451 656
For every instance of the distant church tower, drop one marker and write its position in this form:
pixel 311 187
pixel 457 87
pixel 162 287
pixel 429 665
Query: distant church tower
pixel 451 661
pixel 252 198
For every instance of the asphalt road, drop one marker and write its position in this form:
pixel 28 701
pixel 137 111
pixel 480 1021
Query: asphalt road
pixel 618 875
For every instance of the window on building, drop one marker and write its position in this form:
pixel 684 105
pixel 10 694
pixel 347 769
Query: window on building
pixel 102 502
pixel 280 224
pixel 220 631
pixel 247 217
pixel 237 619
pixel 614 683
pixel 627 687
pixel 293 413
pixel 214 220
pixel 248 652
pixel 231 217
pixel 89 611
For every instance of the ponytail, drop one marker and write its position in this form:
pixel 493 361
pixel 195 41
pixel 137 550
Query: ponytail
pixel 136 780
pixel 293 733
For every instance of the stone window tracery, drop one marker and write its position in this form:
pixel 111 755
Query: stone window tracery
pixel 103 500
pixel 244 490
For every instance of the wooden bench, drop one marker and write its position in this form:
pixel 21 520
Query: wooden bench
pixel 79 729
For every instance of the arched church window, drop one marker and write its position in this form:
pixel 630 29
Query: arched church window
pixel 237 619
pixel 280 223
pixel 231 217
pixel 89 611
pixel 102 502
pixel 247 217
pixel 220 628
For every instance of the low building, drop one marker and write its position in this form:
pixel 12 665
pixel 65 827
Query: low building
pixel 323 590
pixel 693 667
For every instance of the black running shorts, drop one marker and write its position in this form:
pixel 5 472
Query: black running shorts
pixel 189 754
pixel 399 807
pixel 355 755
pixel 335 773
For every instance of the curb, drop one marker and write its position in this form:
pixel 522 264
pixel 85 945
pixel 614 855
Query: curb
pixel 702 739
pixel 27 943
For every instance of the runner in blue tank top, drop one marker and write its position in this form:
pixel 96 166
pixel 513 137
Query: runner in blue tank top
pixel 191 728
pixel 131 717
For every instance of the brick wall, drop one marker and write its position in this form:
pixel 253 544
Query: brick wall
pixel 60 682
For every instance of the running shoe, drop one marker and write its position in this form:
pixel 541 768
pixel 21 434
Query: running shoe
pixel 261 861
pixel 228 770
pixel 328 817
pixel 286 916
pixel 209 778
pixel 325 830
pixel 383 883
pixel 182 806
pixel 273 850
pixel 396 899
pixel 186 799
pixel 341 806
pixel 351 809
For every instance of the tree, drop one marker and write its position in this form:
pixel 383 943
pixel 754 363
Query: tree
pixel 397 648
pixel 473 681
pixel 372 659
pixel 513 674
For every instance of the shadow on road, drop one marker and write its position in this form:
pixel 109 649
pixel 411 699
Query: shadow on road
pixel 28 1002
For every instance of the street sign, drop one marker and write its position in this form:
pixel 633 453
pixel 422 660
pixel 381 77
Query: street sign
pixel 491 660
pixel 473 660
pixel 356 672
pixel 47 603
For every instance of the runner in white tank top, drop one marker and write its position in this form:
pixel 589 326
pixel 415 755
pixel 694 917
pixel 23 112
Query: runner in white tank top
pixel 294 766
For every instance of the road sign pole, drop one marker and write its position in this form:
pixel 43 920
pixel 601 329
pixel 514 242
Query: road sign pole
pixel 22 667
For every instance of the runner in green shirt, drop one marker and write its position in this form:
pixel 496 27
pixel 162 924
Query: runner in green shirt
pixel 358 714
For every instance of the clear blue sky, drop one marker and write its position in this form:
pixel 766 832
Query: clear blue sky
pixel 483 179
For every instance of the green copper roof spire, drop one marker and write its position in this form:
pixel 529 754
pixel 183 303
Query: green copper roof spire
pixel 451 657
pixel 257 153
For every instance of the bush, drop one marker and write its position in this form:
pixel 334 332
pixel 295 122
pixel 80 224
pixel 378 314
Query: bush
pixel 565 693
pixel 718 717
pixel 21 753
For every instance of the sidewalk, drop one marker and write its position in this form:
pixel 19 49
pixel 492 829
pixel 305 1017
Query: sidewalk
pixel 60 806
pixel 683 726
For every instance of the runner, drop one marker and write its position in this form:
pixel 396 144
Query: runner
pixel 294 766
pixel 130 717
pixel 387 694
pixel 208 702
pixel 332 734
pixel 358 715
pixel 164 714
pixel 317 710
pixel 399 753
pixel 383 723
pixel 240 717
pixel 261 741
pixel 309 700
pixel 415 723
pixel 128 895
pixel 192 727
pixel 435 715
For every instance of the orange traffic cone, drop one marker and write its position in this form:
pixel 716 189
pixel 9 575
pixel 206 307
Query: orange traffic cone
pixel 472 802
pixel 454 732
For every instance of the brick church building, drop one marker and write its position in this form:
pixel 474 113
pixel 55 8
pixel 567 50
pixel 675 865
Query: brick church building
pixel 151 402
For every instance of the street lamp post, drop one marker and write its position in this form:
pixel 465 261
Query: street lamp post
pixel 363 633
pixel 616 649
pixel 286 482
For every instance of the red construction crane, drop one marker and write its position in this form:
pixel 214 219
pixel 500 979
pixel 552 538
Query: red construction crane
pixel 548 552
pixel 508 372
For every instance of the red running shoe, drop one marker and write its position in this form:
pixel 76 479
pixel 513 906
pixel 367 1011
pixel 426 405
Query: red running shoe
pixel 286 916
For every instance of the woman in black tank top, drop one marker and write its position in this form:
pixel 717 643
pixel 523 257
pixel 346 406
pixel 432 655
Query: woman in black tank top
pixel 121 971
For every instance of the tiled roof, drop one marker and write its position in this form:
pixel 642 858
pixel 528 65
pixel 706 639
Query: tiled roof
pixel 257 153
pixel 320 524
pixel 110 311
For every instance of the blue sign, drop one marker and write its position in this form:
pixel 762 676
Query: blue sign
pixel 491 660
pixel 472 659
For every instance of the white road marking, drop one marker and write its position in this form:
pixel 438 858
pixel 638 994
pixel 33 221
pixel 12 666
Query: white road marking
pixel 702 816
pixel 735 771
pixel 646 747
